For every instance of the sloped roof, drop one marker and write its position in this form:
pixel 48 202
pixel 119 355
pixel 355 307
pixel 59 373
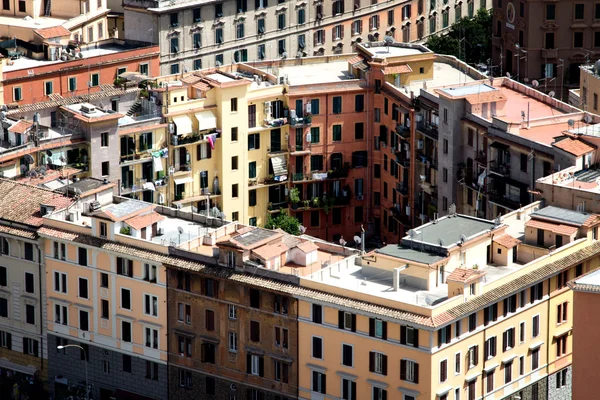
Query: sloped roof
pixel 53 32
pixel 507 241
pixel 464 275
pixel 142 221
pixel 561 229
pixel 574 146
pixel 21 126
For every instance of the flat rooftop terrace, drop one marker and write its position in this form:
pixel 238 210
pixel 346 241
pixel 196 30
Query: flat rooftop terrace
pixel 587 179
pixel 32 23
pixel 306 74
pixel 517 101
pixel 443 75
pixel 450 230
pixel 354 279
pixel 397 50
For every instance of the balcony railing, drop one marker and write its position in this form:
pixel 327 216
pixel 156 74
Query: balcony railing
pixel 300 122
pixel 403 131
pixel 500 168
pixel 428 129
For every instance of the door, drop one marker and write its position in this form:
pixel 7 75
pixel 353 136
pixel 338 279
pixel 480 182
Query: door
pixel 299 164
pixel 559 241
pixel 154 229
pixel 144 233
pixel 540 237
pixel 182 157
pixel 275 139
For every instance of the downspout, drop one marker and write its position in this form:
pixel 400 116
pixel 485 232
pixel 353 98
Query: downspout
pixel 168 353
pixel 326 154
pixel 41 306
pixel 412 165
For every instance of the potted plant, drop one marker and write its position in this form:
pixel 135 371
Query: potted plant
pixel 306 203
pixel 294 197
pixel 316 201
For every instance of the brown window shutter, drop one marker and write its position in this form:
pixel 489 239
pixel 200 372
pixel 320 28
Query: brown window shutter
pixel 371 326
pixel 403 370
pixel 371 361
pixel 384 360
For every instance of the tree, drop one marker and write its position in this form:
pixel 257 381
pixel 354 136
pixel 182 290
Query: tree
pixel 285 222
pixel 473 34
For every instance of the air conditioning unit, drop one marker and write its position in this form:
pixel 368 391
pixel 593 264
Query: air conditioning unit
pixel 293 114
pixel 308 108
pixel 406 146
pixel 407 209
pixel 420 144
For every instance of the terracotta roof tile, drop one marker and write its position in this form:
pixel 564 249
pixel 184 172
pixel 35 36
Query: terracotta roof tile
pixel 355 60
pixel 507 241
pixel 21 202
pixel 21 127
pixel 464 275
pixel 574 146
pixel 561 229
pixel 53 32
pixel 205 87
pixel 307 246
pixel 142 221
pixel 270 251
pixel 24 233
pixel 397 69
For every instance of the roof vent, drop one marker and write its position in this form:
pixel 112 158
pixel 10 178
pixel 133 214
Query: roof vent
pixel 88 109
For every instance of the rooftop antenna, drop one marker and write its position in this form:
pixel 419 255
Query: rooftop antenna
pixel 180 230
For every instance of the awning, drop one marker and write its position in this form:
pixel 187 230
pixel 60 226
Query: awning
pixel 443 390
pixel 500 146
pixel 561 332
pixel 206 120
pixel 509 359
pixel 134 77
pixel 24 369
pixel 279 165
pixel 184 124
pixel 534 346
pixel 491 367
pixel 181 181
pixel 472 376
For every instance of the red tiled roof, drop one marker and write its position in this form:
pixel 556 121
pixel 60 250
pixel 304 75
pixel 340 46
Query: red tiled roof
pixel 464 275
pixel 53 32
pixel 355 60
pixel 549 226
pixel 203 86
pixel 575 147
pixel 142 221
pixel 270 251
pixel 307 247
pixel 507 241
pixel 21 127
pixel 398 69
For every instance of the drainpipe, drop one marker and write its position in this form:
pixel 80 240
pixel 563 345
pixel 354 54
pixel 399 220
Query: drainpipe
pixel 167 285
pixel 41 305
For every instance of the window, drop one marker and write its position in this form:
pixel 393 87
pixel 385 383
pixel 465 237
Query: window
pixel 185 346
pixel 489 381
pixel 105 168
pixel 577 39
pixel 281 47
pixel 29 283
pixel 561 345
pixel 472 322
pixel 508 372
pixel 5 249
pixel 445 146
pixel 209 320
pixel 510 304
pixel 232 312
pixel 561 313
pixel 337 133
pixel 105 309
pixel 377 328
pixel 83 288
pixel 281 337
pixel 314 106
pixel 234 190
pixel 374 23
pixel 185 378
pixel 378 363
pixel 239 31
pixel 409 336
pixel 535 359
pixel 443 370
pixel 444 335
pixel 151 338
pixel 562 279
pixel 490 314
pixel 196 15
pixel 30 314
pixel 521 332
pixel 347 321
pixel 445 175
pixel 255 331
pixel 536 292
pixel 409 371
pixel 473 356
pixel 61 314
pixel 125 299
pixel 316 162
pixel 232 341
pixel 579 11
pixel 234 163
pixel 255 365
pixel 84 320
pixel 60 282
pixel 3 307
pixel 30 346
pixel 561 378
pixel 281 21
pixel 126 363
pixel 317 347
pixel 508 339
pixel 174 17
pixel 379 393
pixel 317 314
pixel 301 16
pixel 234 104
pixel 208 353
pixel 347 355
pixel 319 382
pixel 490 348
pixel 17 94
pixel 337 104
pixel 254 141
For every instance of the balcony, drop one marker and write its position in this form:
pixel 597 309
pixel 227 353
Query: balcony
pixel 428 129
pixel 500 168
pixel 402 188
pixel 481 158
pixel 300 150
pixel 549 53
pixel 427 159
pixel 181 140
pixel 403 131
pixel 301 122
pixel 503 200
pixel 297 177
pixel 276 151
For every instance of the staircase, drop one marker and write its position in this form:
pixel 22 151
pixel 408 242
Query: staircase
pixel 134 108
pixel 48 8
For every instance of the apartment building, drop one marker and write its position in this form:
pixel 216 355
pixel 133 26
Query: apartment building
pixel 27 21
pixel 105 257
pixel 585 299
pixel 63 70
pixel 23 344
pixel 461 308
pixel 550 55
pixel 194 35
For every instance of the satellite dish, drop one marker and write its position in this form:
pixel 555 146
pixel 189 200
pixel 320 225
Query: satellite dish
pixel 180 230
pixel 525 80
pixel 508 75
pixel 388 40
pixel 185 69
pixel 441 241
pixel 587 118
pixel 357 239
pixel 412 233
pixel 463 238
pixel 218 63
pixel 342 242
pixel 571 123
pixel 48 153
pixel 302 229
pixel 552 93
pixel 23 168
pixel 371 37
pixel 284 55
pixel 62 159
pixel 535 83
pixel 28 159
pixel 428 301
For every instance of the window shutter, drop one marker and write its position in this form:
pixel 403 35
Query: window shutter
pixel 341 319
pixel 353 385
pixel 198 152
pixel 505 307
pixel 333 33
pixel 476 354
pixel 443 371
pixel 342 26
pixel 371 326
pixel 119 265
pixel 486 317
pixel 371 361
pixel 353 322
pixel 558 313
pixel 402 334
pixel 440 338
pixel 448 333
pixel 416 337
pixel 24 345
pixel 257 4
pixel 384 330
pixel 486 349
pixel 315 39
pixel 504 340
pixel 261 366
pixel 416 372
pixel 130 272
pixel 383 394
pixel 384 360
pixel 248 363
pixel 403 370
pixel 495 311
pixel 531 294
pixel 324 383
